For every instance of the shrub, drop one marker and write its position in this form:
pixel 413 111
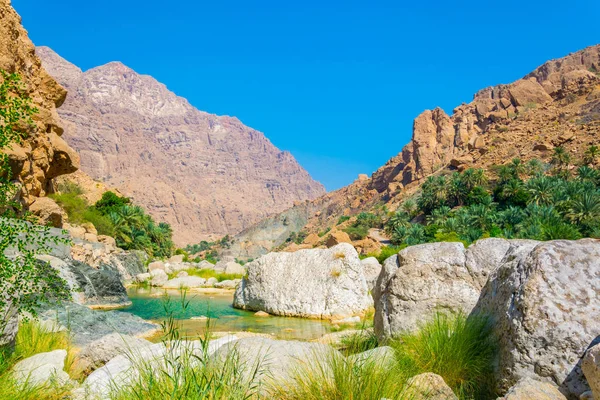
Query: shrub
pixel 461 350
pixel 342 219
pixel 357 232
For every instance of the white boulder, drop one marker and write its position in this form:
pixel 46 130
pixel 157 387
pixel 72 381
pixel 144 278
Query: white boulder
pixel 314 283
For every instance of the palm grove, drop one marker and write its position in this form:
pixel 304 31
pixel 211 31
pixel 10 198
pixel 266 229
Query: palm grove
pixel 532 200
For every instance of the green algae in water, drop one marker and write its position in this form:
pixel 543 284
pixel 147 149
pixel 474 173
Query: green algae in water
pixel 150 305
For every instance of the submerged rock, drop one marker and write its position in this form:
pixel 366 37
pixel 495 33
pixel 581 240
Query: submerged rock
pixel 314 283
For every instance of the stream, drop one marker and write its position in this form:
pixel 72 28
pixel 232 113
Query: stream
pixel 152 305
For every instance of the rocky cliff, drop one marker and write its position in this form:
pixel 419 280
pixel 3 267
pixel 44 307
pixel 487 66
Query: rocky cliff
pixel 558 104
pixel 44 155
pixel 204 174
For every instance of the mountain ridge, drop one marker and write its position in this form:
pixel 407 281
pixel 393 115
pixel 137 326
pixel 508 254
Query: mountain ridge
pixel 206 175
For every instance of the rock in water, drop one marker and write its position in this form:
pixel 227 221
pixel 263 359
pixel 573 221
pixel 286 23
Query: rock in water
pixel 42 369
pixel 314 283
pixel 544 301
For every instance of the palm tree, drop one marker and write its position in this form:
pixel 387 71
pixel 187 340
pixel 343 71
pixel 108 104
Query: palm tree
pixel 535 167
pixel 560 159
pixel 439 215
pixel 473 177
pixel 399 219
pixel 591 154
pixel 588 174
pixel 517 168
pixel 410 208
pixel 585 209
pixel 540 190
pixel 503 172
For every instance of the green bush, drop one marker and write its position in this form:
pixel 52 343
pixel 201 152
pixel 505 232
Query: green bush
pixel 357 232
pixel 342 219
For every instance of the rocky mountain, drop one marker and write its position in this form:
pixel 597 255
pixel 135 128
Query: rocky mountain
pixel 204 174
pixel 44 155
pixel 558 104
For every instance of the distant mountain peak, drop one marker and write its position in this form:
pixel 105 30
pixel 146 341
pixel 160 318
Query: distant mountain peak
pixel 204 174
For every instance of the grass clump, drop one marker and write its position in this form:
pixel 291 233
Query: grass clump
pixel 459 349
pixel 334 377
pixel 358 342
pixel 34 338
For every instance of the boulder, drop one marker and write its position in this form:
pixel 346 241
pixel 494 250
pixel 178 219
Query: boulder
pixel 42 369
pixel 314 283
pixel 372 269
pixel 90 286
pixel 176 259
pixel 182 274
pixel 184 282
pixel 531 389
pixel 277 360
pixel 434 277
pixel 205 265
pixel 428 386
pixel 383 355
pixel 528 91
pixel 211 282
pixel 159 277
pixel 9 325
pixel 337 237
pixel 313 239
pixel 227 284
pixel 591 369
pixel 143 277
pixel 234 268
pixel 101 351
pixel 156 265
pixel 261 314
pixel 87 325
pixel 47 212
pixel 544 302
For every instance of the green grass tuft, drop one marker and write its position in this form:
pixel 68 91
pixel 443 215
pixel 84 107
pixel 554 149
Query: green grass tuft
pixel 459 349
pixel 208 273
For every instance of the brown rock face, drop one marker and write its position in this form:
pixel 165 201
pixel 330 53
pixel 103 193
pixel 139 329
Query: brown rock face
pixel 204 174
pixel 44 155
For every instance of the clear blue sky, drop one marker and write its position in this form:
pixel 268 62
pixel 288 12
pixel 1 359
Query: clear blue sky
pixel 337 83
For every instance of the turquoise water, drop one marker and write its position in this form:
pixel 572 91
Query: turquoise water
pixel 150 305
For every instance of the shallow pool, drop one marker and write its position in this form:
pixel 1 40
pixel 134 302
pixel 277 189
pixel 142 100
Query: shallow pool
pixel 151 305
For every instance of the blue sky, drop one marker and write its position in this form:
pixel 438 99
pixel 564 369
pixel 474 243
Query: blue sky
pixel 337 83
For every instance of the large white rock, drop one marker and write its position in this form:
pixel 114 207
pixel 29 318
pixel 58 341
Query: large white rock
pixel 545 304
pixel 434 277
pixel 205 265
pixel 234 268
pixel 315 283
pixel 531 389
pixel 42 368
pixel 159 277
pixel 101 351
pixel 372 269
pixel 277 360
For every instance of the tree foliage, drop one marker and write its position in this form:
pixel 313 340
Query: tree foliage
pixel 25 281
pixel 523 200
